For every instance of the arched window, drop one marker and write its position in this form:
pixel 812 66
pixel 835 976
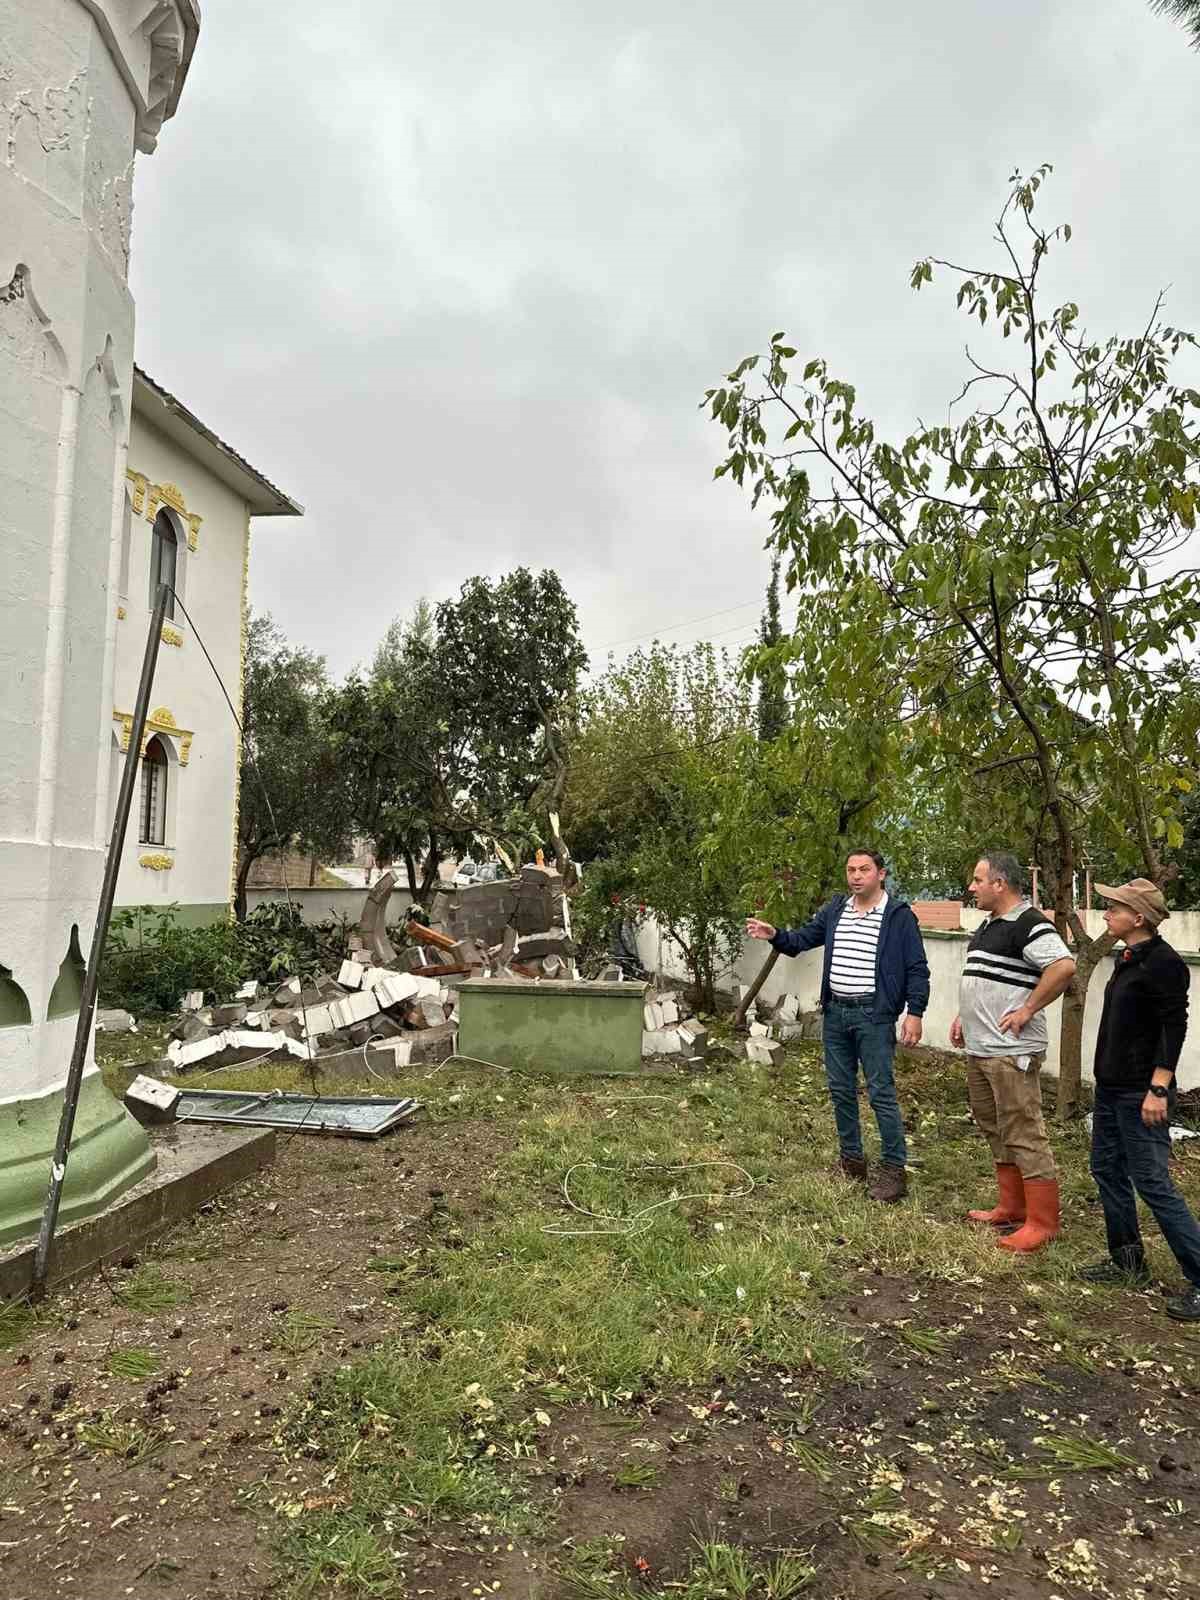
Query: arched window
pixel 164 558
pixel 152 812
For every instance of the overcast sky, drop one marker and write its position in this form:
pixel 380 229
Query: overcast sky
pixel 456 276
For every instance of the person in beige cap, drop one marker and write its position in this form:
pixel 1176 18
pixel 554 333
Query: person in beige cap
pixel 1142 1028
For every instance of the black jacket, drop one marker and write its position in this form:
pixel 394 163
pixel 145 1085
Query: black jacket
pixel 901 970
pixel 1144 1019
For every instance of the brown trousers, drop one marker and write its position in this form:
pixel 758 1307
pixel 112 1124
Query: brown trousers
pixel 1007 1106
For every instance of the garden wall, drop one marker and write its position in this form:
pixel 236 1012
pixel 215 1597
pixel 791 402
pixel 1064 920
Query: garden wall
pixel 801 976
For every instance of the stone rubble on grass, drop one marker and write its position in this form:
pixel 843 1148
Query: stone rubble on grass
pixel 115 1022
pixel 398 1004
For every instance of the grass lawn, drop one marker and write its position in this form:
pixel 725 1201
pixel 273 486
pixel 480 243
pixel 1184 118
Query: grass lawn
pixel 412 1368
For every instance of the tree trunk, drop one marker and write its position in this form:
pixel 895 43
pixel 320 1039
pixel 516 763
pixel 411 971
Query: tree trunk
pixel 432 862
pixel 312 871
pixel 243 875
pixel 751 994
pixel 410 866
pixel 1070 1037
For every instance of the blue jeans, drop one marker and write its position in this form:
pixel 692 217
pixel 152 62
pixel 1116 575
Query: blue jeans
pixel 1127 1156
pixel 852 1040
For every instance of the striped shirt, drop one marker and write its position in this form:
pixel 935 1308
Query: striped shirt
pixel 855 943
pixel 1005 960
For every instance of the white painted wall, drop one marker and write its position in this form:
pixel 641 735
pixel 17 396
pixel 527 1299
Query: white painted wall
pixel 801 975
pixel 319 905
pixel 202 770
pixel 80 85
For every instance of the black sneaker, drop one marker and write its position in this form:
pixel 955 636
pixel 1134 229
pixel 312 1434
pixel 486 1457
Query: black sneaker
pixel 1185 1307
pixel 1137 1272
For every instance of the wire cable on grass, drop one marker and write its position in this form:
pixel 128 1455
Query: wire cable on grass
pixel 639 1221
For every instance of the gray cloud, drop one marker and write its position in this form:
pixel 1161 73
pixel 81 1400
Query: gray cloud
pixel 456 277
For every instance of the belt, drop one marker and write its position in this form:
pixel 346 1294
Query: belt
pixel 853 999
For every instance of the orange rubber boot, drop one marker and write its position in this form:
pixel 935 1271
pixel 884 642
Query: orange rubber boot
pixel 1041 1199
pixel 1011 1205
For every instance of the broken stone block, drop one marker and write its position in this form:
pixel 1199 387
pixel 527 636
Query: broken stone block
pixel 249 991
pixel 694 1039
pixel 554 967
pixel 288 993
pixel 150 1101
pixel 759 1030
pixel 372 976
pixel 670 1012
pixel 361 1032
pixel 538 893
pixel 285 1021
pixel 354 1008
pixel 229 1016
pixel 246 1039
pixel 192 1000
pixel 315 1020
pixel 554 942
pixel 427 1011
pixel 372 925
pixel 350 975
pixel 765 1052
pixel 189 1028
pixel 787 1008
pixel 395 989
pixel 329 988
pixel 387 1027
pixel 789 1032
pixel 183 1056
pixel 431 1046
pixel 115 1022
pixel 611 974
pixel 652 1017
pixel 256 1019
pixel 427 988
pixel 661 1042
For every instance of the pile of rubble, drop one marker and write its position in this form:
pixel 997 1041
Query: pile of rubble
pixel 774 1025
pixel 402 1002
pixel 671 1028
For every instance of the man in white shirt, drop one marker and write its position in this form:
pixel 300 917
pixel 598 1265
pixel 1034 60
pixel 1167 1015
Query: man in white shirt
pixel 875 968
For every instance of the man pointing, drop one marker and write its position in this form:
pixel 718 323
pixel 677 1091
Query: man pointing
pixel 874 968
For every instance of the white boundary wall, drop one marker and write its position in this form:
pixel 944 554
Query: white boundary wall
pixel 801 976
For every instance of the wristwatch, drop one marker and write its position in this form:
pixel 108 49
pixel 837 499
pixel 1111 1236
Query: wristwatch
pixel 1159 1091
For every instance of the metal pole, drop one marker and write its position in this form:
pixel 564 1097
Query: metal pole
pixel 91 982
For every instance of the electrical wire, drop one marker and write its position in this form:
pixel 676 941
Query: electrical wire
pixel 637 1222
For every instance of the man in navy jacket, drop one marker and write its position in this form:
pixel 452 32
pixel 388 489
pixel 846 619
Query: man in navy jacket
pixel 874 969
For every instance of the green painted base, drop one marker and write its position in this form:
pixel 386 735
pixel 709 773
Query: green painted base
pixel 553 1026
pixel 109 1154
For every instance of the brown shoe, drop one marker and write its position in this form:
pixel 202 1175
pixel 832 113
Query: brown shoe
pixel 852 1168
pixel 891 1185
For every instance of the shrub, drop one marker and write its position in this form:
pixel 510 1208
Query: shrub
pixel 151 959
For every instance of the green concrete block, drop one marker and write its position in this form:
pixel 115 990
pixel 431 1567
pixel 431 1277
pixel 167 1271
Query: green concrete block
pixel 109 1153
pixel 553 1025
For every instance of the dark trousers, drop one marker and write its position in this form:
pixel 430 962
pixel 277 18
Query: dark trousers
pixel 852 1040
pixel 1131 1159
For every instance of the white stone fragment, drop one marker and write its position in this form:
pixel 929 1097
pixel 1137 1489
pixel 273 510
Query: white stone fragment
pixel 199 1050
pixel 661 1042
pixel 394 988
pixel 353 1008
pixel 193 1000
pixel 350 975
pixel 316 1019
